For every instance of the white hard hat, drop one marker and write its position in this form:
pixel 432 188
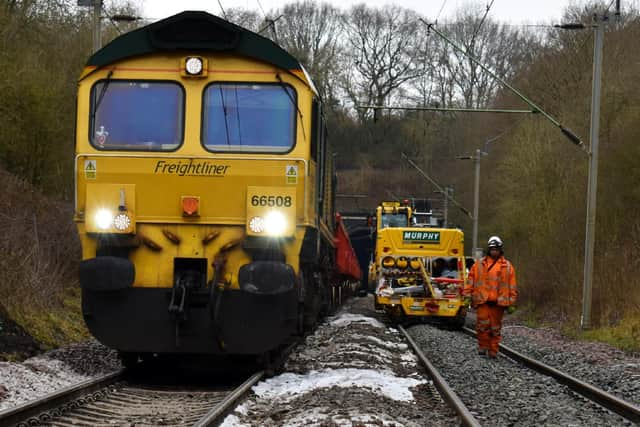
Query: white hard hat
pixel 494 242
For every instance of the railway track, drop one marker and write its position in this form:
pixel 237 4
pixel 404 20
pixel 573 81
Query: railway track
pixel 447 393
pixel 42 410
pixel 515 389
pixel 113 400
pixel 614 404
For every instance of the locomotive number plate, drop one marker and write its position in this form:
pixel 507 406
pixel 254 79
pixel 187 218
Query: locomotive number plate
pixel 266 202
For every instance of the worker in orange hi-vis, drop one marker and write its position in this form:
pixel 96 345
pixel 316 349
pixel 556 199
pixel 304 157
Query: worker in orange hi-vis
pixel 491 289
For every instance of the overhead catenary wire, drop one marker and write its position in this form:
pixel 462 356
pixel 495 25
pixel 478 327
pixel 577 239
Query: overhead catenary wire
pixel 501 134
pixel 501 23
pixel 441 9
pixel 446 109
pixel 113 23
pixel 435 184
pixel 442 24
pixel 392 194
pixel 269 23
pixel 261 9
pixel 565 131
pixel 472 44
pixel 224 14
pixel 477 30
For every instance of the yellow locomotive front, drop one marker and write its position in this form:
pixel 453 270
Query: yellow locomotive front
pixel 203 191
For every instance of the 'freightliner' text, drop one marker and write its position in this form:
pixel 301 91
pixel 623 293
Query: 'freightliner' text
pixel 191 168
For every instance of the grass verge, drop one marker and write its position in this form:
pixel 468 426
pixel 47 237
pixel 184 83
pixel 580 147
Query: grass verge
pixel 625 335
pixel 59 324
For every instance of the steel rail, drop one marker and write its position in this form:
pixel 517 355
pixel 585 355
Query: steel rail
pixel 467 419
pixel 599 396
pixel 211 418
pixel 37 407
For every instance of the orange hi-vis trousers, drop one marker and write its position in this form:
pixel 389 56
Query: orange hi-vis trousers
pixel 489 326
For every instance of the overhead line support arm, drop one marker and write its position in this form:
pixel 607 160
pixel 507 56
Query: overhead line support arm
pixel 566 131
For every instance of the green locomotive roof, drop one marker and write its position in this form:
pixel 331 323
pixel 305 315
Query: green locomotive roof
pixel 194 31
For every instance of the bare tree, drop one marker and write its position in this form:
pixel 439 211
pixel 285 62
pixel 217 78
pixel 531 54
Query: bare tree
pixel 248 19
pixel 309 31
pixel 497 46
pixel 382 54
pixel 434 86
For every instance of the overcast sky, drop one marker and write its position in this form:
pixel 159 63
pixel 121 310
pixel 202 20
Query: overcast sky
pixel 512 11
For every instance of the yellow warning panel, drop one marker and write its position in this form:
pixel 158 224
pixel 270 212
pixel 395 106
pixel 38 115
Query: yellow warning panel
pixel 291 174
pixel 90 169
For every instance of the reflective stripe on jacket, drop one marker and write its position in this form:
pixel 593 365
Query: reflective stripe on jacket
pixel 497 284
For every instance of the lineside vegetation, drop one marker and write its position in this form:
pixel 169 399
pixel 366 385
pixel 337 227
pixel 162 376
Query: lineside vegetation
pixel 533 184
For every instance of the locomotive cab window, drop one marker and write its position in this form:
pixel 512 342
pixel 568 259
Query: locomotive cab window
pixel 136 115
pixel 249 118
pixel 394 220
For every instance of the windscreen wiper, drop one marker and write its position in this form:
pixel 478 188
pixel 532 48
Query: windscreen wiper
pixel 103 90
pixel 238 116
pixel 224 112
pixel 293 102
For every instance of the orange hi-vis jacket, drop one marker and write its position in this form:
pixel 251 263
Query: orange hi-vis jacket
pixel 497 283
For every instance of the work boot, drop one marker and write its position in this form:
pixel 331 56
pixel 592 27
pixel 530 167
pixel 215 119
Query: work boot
pixel 493 355
pixel 483 351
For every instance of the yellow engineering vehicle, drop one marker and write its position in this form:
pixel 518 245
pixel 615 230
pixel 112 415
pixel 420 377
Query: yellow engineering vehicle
pixel 418 272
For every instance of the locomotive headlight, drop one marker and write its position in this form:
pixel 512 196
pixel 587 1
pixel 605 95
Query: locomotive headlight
pixel 414 263
pixel 256 224
pixel 194 66
pixel 121 222
pixel 388 262
pixel 275 223
pixel 103 219
pixel 402 262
